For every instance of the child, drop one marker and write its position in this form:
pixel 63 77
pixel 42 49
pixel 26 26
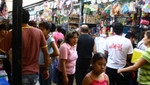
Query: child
pixel 97 75
pixel 60 42
pixel 52 49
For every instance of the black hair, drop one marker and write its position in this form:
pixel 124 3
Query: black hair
pixel 25 16
pixel 130 35
pixel 148 34
pixel 59 41
pixel 63 31
pixel 32 23
pixel 3 26
pixel 46 25
pixel 59 28
pixel 118 28
pixel 53 27
pixel 70 35
pixel 98 56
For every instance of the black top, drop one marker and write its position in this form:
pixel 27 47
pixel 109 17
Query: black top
pixel 85 46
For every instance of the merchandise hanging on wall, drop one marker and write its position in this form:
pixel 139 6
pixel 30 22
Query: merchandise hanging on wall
pixel 67 8
pixel 47 13
pixel 3 10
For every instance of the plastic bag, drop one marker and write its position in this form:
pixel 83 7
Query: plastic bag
pixel 144 22
pixel 3 81
pixel 132 8
pixel 124 9
pixel 107 9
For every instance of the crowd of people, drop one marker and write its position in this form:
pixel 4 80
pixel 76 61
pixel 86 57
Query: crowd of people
pixel 49 54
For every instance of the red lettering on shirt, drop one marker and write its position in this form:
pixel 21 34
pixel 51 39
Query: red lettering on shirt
pixel 116 46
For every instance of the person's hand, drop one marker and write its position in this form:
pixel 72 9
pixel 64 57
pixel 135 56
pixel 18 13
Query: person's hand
pixel 66 81
pixel 46 74
pixel 119 71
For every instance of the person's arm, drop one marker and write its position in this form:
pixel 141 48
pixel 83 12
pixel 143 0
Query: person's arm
pixel 63 63
pixel 46 61
pixel 134 67
pixel 94 48
pixel 129 56
pixel 107 78
pixel 55 50
pixel 87 81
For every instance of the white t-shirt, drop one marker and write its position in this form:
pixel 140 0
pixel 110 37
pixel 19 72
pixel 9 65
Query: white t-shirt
pixel 100 42
pixel 141 46
pixel 118 47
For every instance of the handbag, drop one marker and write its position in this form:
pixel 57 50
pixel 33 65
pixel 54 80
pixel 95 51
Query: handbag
pixel 3 81
pixel 144 22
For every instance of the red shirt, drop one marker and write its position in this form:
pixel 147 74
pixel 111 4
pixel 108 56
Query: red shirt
pixel 32 40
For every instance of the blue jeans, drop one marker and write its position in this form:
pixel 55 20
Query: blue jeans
pixel 30 79
pixel 41 79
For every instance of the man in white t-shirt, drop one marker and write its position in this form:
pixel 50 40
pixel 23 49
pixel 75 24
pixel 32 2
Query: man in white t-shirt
pixel 118 49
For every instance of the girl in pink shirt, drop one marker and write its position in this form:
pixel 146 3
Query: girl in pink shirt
pixel 97 75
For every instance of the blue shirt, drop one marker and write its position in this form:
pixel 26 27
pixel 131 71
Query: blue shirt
pixel 50 50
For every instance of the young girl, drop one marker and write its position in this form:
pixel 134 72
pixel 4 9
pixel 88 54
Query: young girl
pixel 143 64
pixel 52 49
pixel 97 75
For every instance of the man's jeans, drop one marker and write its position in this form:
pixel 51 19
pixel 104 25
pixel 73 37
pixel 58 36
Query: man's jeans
pixel 30 79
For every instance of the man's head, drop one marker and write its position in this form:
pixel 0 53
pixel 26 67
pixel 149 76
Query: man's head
pixel 118 28
pixel 25 16
pixel 84 28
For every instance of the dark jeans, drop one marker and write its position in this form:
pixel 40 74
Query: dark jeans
pixel 82 68
pixel 115 78
pixel 60 78
pixel 41 78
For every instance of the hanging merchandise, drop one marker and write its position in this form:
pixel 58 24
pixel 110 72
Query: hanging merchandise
pixel 93 1
pixel 104 1
pixel 146 8
pixel 67 8
pixel 132 9
pixel 93 7
pixel 99 1
pixel 3 9
pixel 47 13
pixel 146 1
pixel 107 10
pixel 145 20
pixel 111 0
pixel 115 9
pixel 124 9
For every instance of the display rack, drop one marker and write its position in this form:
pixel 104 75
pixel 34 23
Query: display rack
pixel 74 18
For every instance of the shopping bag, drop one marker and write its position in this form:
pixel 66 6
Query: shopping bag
pixel 124 9
pixel 3 81
pixel 144 22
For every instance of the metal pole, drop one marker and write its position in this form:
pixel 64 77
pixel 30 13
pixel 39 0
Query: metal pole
pixel 17 42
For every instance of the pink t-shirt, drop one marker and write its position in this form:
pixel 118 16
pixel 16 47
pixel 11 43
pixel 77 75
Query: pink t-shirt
pixel 58 35
pixel 70 55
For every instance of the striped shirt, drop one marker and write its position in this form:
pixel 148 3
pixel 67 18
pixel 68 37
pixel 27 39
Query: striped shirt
pixel 144 71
